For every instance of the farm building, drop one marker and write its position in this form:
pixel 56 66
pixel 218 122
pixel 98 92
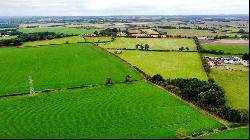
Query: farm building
pixel 219 61
pixel 89 35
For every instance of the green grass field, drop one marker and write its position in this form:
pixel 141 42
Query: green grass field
pixel 7 37
pixel 154 43
pixel 226 48
pixel 236 86
pixel 168 64
pixel 58 66
pixel 96 39
pixel 65 30
pixel 138 110
pixel 190 32
pixel 73 39
pixel 240 133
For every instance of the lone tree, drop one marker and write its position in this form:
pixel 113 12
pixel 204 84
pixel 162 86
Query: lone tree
pixel 141 47
pixel 181 49
pixel 157 77
pixel 67 42
pixel 128 78
pixel 108 81
pixel 181 133
pixel 146 47
pixel 137 46
pixel 187 48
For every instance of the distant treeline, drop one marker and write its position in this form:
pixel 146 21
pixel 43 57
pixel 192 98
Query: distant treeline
pixel 24 37
pixel 186 27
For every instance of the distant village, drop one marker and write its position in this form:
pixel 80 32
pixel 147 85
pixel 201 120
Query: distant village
pixel 220 61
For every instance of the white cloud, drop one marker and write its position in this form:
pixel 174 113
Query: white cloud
pixel 121 7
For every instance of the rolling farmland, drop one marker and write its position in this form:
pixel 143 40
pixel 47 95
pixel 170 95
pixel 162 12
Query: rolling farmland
pixel 136 110
pixel 68 31
pixel 168 64
pixel 58 66
pixel 154 43
pixel 73 39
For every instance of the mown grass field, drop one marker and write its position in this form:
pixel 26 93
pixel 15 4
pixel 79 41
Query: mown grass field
pixel 154 43
pixel 226 48
pixel 168 64
pixel 138 110
pixel 73 39
pixel 58 66
pixel 64 30
pixel 240 133
pixel 236 86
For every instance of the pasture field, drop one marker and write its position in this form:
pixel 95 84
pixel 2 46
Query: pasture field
pixel 236 86
pixel 97 39
pixel 150 31
pixel 135 110
pixel 226 48
pixel 7 37
pixel 189 32
pixel 64 30
pixel 72 39
pixel 168 64
pixel 58 66
pixel 154 43
pixel 240 133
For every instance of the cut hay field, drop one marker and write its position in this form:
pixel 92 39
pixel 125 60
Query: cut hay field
pixel 138 110
pixel 68 31
pixel 236 86
pixel 226 48
pixel 168 64
pixel 154 43
pixel 73 39
pixel 239 133
pixel 58 66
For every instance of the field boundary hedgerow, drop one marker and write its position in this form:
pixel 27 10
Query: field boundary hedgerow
pixel 147 77
pixel 68 88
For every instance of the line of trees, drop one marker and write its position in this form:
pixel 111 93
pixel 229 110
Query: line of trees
pixel 206 95
pixel 108 32
pixel 24 37
pixel 142 47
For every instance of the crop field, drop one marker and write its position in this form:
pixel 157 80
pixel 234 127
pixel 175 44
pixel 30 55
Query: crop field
pixel 7 37
pixel 240 133
pixel 168 64
pixel 189 32
pixel 236 86
pixel 226 48
pixel 58 66
pixel 69 31
pixel 73 39
pixel 154 43
pixel 136 110
pixel 97 39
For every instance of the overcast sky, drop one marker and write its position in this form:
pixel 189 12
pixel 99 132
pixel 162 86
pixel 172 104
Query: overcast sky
pixel 121 7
